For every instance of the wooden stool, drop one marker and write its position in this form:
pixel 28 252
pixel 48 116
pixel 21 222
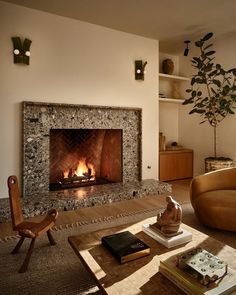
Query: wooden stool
pixel 27 229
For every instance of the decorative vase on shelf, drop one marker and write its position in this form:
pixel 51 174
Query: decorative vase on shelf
pixel 168 66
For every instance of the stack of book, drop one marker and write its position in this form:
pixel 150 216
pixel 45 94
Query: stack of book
pixel 169 242
pixel 191 285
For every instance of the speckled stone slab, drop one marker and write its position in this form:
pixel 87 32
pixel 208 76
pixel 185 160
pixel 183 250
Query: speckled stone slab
pixel 39 118
pixel 71 199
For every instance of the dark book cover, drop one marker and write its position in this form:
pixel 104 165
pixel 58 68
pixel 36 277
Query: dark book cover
pixel 125 246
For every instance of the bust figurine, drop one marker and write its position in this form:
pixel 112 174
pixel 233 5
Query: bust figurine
pixel 168 222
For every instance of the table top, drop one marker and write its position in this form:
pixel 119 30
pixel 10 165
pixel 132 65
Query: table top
pixel 140 276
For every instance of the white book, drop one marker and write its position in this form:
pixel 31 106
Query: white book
pixel 168 242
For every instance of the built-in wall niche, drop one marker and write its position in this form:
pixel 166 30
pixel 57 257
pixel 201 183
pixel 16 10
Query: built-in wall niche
pixel 171 95
pixel 82 157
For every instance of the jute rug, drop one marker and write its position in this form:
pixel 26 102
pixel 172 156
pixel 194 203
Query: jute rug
pixel 57 270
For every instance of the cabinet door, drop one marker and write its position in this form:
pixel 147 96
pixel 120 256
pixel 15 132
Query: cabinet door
pixel 184 165
pixel 176 165
pixel 166 170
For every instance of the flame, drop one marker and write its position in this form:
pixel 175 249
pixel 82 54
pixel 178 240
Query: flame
pixel 93 173
pixel 66 173
pixel 81 169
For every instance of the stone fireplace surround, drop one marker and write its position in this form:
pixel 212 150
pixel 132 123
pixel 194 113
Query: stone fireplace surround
pixel 38 118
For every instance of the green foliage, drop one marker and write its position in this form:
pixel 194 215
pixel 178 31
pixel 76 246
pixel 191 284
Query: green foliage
pixel 213 89
pixel 220 86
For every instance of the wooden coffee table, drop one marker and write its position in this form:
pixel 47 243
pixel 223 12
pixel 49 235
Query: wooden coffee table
pixel 140 276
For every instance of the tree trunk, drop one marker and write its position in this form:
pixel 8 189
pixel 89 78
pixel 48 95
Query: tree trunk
pixel 215 141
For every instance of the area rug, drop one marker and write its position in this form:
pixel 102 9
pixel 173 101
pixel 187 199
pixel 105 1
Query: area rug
pixel 57 270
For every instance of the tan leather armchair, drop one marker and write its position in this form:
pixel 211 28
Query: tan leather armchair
pixel 213 197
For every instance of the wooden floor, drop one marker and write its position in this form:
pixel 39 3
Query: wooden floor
pixel 180 192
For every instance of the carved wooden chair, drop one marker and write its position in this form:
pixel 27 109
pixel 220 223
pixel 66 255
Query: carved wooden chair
pixel 27 229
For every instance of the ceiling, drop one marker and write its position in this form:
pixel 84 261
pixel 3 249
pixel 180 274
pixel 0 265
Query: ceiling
pixel 170 21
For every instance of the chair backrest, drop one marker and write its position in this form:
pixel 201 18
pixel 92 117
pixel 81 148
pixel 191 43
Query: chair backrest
pixel 15 203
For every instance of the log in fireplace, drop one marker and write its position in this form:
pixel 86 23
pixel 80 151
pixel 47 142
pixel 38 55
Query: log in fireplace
pixel 82 157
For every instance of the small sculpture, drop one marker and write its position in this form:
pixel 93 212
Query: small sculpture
pixel 169 221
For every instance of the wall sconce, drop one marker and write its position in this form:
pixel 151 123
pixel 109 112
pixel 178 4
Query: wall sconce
pixel 21 51
pixel 140 69
pixel 186 51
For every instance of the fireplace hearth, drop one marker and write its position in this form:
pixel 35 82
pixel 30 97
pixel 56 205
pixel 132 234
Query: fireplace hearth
pixel 83 157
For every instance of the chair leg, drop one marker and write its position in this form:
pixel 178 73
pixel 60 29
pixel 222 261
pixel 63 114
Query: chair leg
pixel 50 238
pixel 18 245
pixel 27 258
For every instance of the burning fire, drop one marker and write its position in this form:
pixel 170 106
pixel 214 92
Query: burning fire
pixel 82 169
pixel 66 173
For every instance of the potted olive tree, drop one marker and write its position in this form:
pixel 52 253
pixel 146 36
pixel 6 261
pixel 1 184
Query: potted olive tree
pixel 212 94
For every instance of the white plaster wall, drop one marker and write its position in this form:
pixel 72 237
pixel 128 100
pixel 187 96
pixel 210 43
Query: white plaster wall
pixel 72 62
pixel 200 137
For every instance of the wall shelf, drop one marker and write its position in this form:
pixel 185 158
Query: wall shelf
pixel 172 100
pixel 174 77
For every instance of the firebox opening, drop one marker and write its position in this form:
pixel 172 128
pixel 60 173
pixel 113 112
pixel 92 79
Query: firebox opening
pixel 82 157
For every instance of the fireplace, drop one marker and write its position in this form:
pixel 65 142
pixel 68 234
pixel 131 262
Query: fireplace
pixel 117 158
pixel 118 131
pixel 82 157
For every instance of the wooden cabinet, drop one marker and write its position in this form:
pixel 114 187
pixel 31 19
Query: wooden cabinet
pixel 176 164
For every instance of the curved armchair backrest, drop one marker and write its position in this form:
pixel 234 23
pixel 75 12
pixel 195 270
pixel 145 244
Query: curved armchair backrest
pixel 224 179
pixel 15 204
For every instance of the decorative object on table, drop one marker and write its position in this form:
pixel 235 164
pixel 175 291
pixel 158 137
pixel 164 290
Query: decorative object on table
pixel 212 92
pixel 21 51
pixel 168 222
pixel 169 242
pixel 168 66
pixel 166 230
pixel 187 272
pixel 162 142
pixel 140 69
pixel 125 246
pixel 202 265
pixel 186 50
